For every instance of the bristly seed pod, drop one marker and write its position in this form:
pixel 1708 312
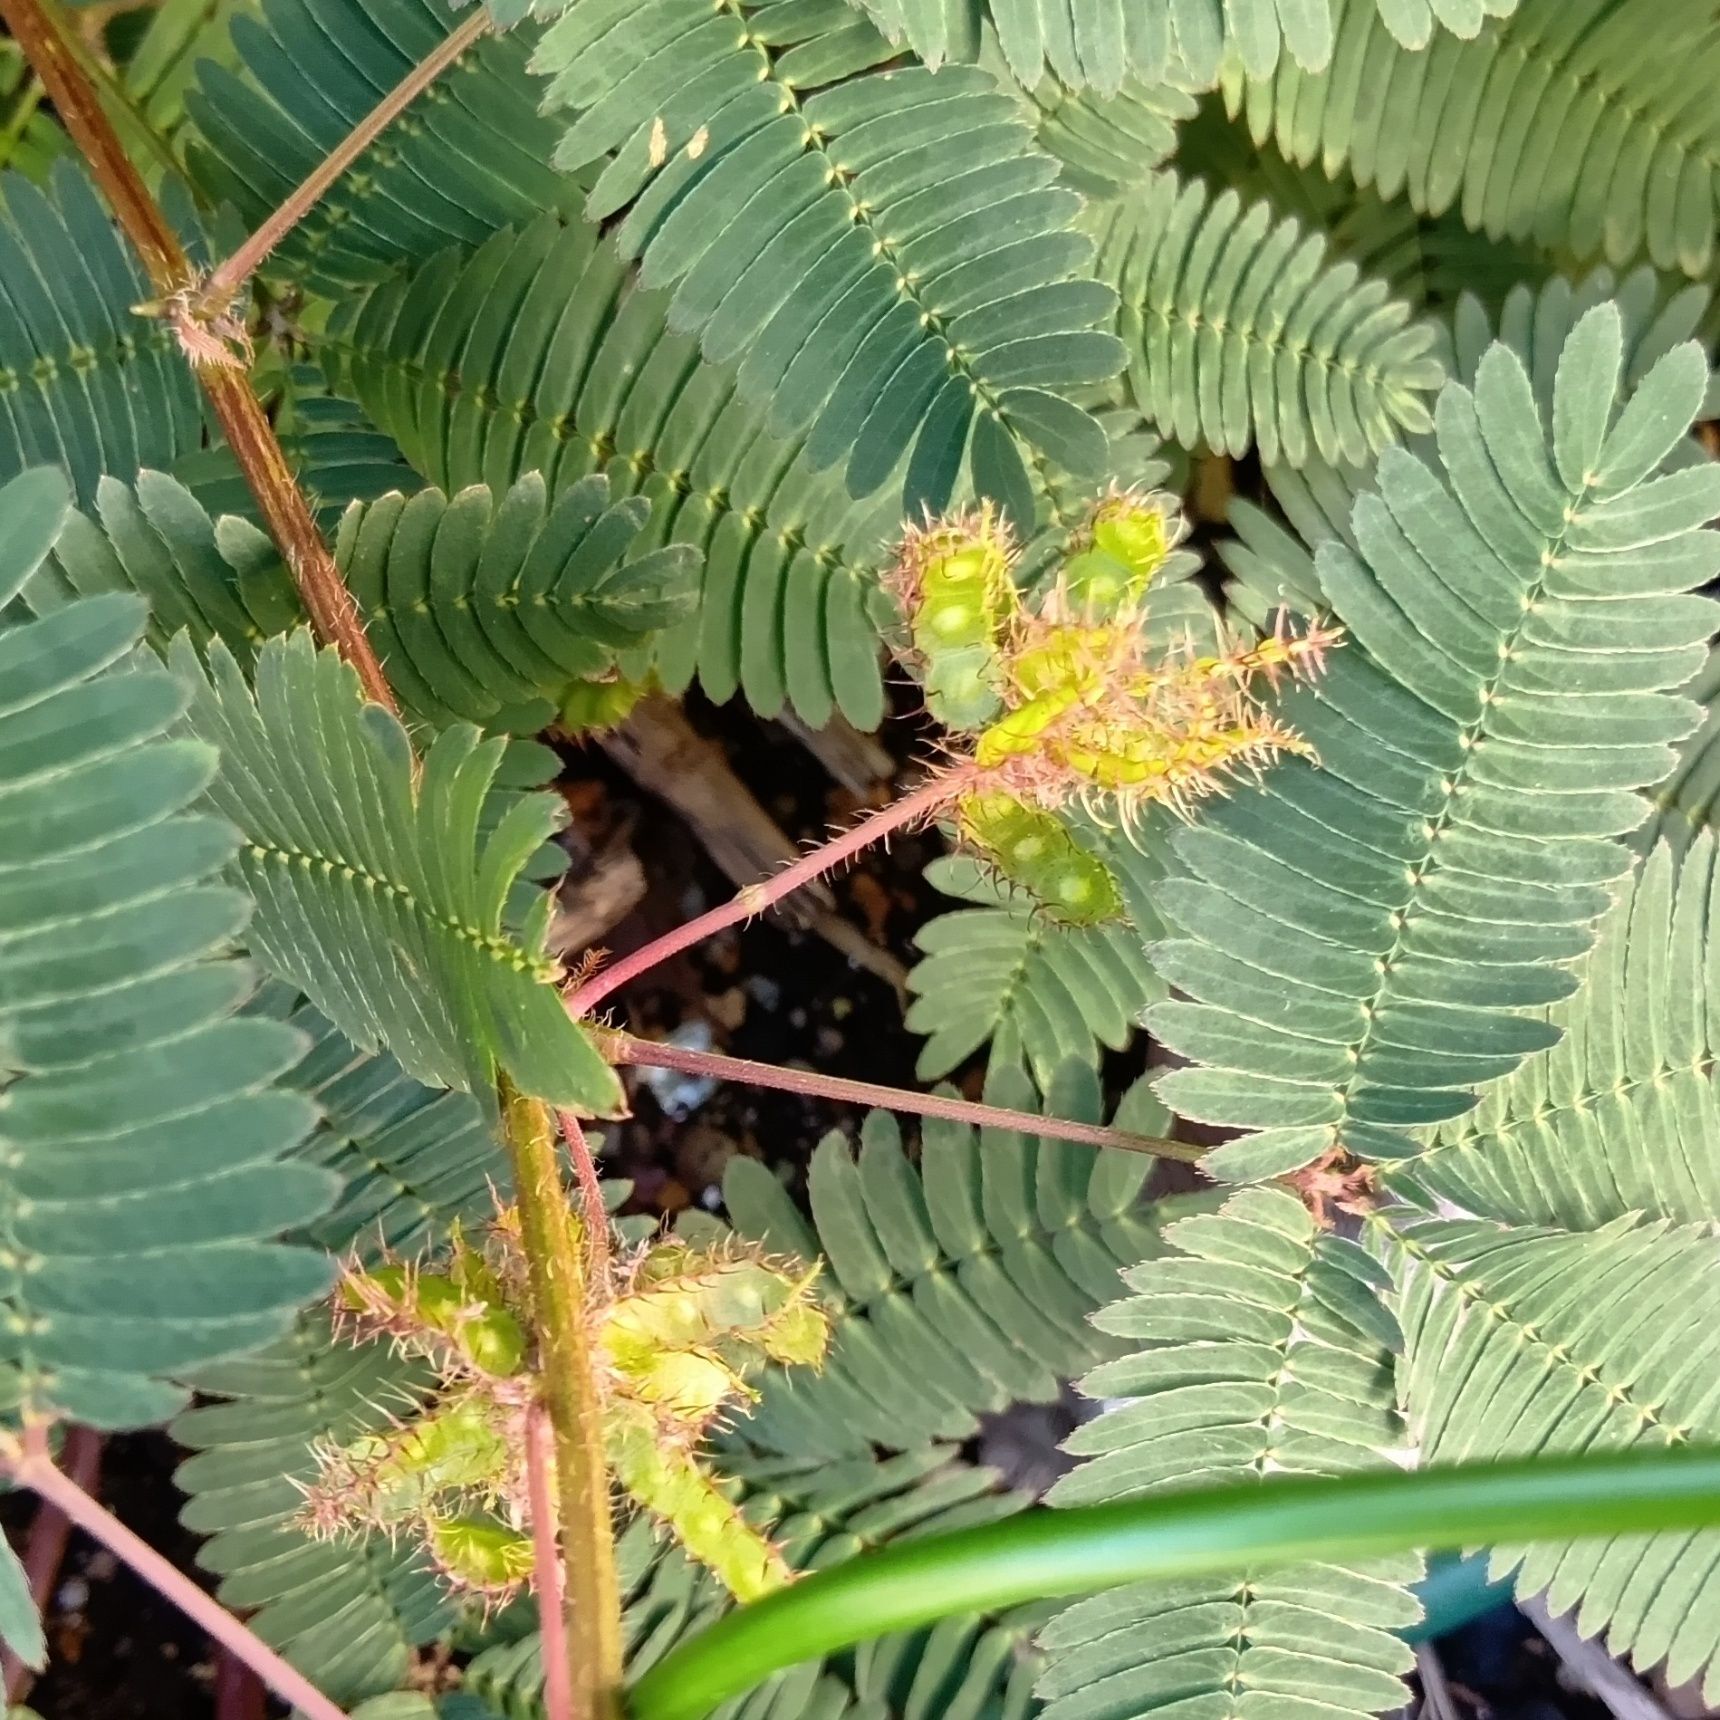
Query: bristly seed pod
pixel 952 583
pixel 1128 538
pixel 1036 850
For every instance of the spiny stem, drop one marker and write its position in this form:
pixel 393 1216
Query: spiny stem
pixel 596 1211
pixel 33 1467
pixel 923 802
pixel 546 1567
pixel 331 607
pixel 218 290
pixel 570 1395
pixel 624 1048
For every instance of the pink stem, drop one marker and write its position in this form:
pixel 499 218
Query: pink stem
pixel 591 1198
pixel 46 1549
pixel 924 802
pixel 623 1048
pixel 35 1469
pixel 546 1567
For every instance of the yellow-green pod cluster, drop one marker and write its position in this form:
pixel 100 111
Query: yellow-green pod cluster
pixel 462 1305
pixel 1036 851
pixel 953 585
pixel 1129 538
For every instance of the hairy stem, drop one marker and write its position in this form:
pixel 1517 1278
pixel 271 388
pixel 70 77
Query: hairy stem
pixel 331 607
pixel 925 802
pixel 570 1395
pixel 596 1211
pixel 219 289
pixel 33 1467
pixel 546 1568
pixel 624 1048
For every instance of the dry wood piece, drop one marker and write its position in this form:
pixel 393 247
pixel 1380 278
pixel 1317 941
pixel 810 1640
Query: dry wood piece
pixel 669 758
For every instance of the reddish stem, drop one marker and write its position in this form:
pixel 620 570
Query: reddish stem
pixel 623 1048
pixel 35 1469
pixel 546 1567
pixel 219 289
pixel 591 1198
pixel 45 1551
pixel 924 802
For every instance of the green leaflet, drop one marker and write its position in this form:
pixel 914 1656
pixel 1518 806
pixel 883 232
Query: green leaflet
pixel 998 967
pixel 143 1126
pixel 472 156
pixel 377 896
pixel 84 383
pixel 1553 124
pixel 1256 1345
pixel 905 276
pixel 411 1162
pixel 1240 330
pixel 1359 937
pixel 1096 42
pixel 1622 1115
pixel 20 1625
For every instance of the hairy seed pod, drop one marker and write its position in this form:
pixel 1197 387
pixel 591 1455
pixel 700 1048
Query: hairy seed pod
pixel 669 1483
pixel 1127 540
pixel 481 1554
pixel 1036 850
pixel 952 583
pixel 589 707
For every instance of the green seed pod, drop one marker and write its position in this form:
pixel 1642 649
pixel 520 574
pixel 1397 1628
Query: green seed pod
pixel 592 706
pixel 953 586
pixel 1035 850
pixel 668 1482
pixel 481 1553
pixel 1128 539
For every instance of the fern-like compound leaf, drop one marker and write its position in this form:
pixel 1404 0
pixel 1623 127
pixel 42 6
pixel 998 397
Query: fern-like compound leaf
pixel 1258 1346
pixel 378 893
pixel 961 1285
pixel 142 1129
pixel 538 355
pixel 1622 1115
pixel 347 1614
pixel 1361 936
pixel 1528 1339
pixel 489 611
pixel 1580 124
pixel 902 272
pixel 1060 992
pixel 85 384
pixel 1241 330
pixel 469 157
